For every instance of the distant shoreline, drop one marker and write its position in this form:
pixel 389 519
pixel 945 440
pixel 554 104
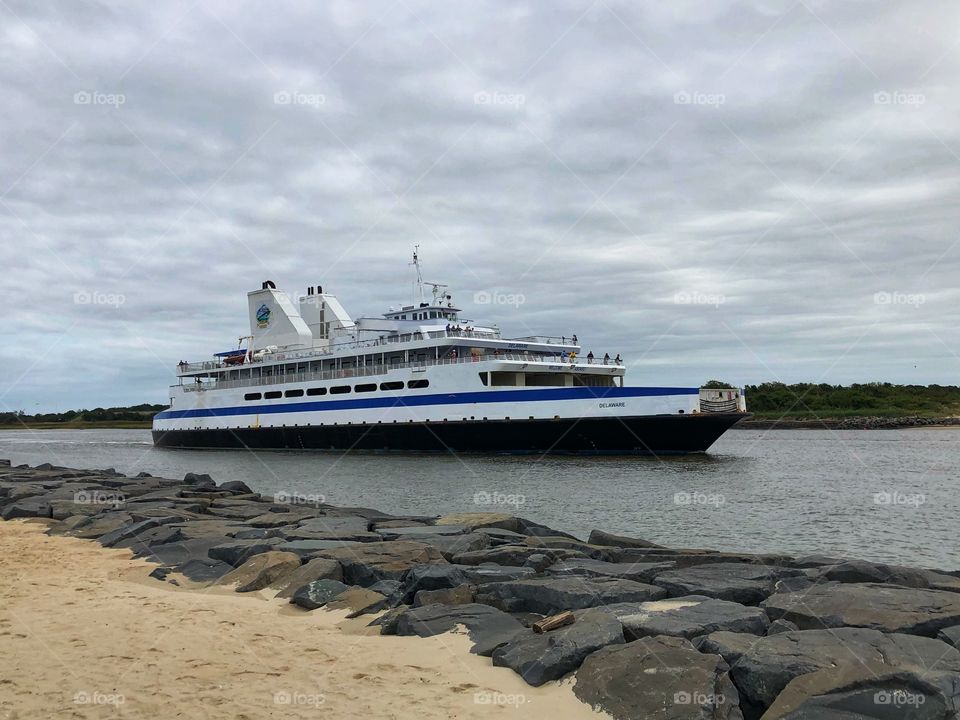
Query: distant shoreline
pixel 82 425
pixel 847 423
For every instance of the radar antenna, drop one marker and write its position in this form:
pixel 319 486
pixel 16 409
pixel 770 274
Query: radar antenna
pixel 416 263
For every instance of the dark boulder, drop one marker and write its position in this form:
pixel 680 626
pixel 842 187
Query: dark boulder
pixel 445 576
pixel 416 531
pixel 30 507
pixel 313 548
pixel 692 616
pixel 451 545
pixel 889 608
pixel 950 635
pixel 359 601
pixel 237 552
pixel 539 658
pixel 236 487
pixel 658 678
pixel 203 570
pixel 487 627
pixel 512 555
pixel 317 569
pixel 779 626
pixel 745 583
pixel 133 529
pixel 198 480
pixel 460 595
pixel 762 667
pixel 317 593
pixel 262 571
pixel 588 567
pixel 547 595
pixel 869 690
pixel 599 537
pixel 367 563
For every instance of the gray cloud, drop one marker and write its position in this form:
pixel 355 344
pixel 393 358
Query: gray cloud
pixel 711 190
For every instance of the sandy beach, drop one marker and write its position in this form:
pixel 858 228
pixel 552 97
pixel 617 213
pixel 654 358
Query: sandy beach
pixel 86 633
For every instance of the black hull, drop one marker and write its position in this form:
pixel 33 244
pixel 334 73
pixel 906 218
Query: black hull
pixel 646 435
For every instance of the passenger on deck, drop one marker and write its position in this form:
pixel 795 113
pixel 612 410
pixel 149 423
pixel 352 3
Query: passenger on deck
pixel 617 359
pixel 606 358
pixel 574 339
pixel 590 357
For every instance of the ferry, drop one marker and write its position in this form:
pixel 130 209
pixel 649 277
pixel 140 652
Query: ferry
pixel 422 378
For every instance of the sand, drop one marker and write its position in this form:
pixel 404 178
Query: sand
pixel 85 633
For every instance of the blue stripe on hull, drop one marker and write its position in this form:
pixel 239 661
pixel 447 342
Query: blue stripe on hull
pixel 490 396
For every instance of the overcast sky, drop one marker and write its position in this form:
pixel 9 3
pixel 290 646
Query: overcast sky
pixel 751 191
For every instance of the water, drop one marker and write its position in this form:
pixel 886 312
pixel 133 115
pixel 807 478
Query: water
pixel 883 495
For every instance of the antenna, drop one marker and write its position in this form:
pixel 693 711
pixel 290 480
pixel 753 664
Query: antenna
pixel 416 263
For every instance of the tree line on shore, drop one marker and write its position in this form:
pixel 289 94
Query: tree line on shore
pixel 134 413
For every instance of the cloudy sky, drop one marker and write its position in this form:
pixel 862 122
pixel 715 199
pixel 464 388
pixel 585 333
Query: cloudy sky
pixel 752 190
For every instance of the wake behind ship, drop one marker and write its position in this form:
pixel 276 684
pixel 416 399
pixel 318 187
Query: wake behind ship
pixel 424 379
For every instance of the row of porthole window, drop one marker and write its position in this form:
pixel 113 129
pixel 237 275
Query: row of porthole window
pixel 338 390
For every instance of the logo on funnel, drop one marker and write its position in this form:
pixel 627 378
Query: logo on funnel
pixel 263 316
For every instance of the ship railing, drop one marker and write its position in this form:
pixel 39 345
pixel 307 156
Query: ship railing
pixel 382 369
pixel 315 353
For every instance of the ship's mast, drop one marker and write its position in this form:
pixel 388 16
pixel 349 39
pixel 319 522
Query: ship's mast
pixel 416 263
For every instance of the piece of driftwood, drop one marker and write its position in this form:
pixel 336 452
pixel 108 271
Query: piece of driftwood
pixel 553 622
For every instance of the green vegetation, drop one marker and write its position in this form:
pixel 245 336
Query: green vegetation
pixel 803 400
pixel 136 416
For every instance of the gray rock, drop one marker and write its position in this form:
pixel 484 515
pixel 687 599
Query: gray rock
pixel 416 531
pixel 588 567
pixel 317 593
pixel 861 571
pixel 762 667
pixel 452 545
pixel 329 524
pixel 366 563
pixel 203 570
pixel 237 487
pixel 391 589
pixel 133 529
pixel 460 595
pixel 29 507
pixel 262 571
pixel 950 635
pixel 446 576
pixel 888 608
pixel 237 552
pixel 869 690
pixel 538 562
pixel 691 616
pixel 547 596
pixel 198 480
pixel 599 537
pixel 658 678
pixel 779 626
pixel 539 658
pixel 143 542
pixel 744 583
pixel 511 555
pixel 567 543
pixel 313 548
pixel 317 569
pixel 488 627
pixel 358 601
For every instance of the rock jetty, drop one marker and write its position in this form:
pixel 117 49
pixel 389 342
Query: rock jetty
pixel 656 632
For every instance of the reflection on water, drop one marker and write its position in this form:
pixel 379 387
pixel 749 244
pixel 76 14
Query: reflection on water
pixel 877 494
